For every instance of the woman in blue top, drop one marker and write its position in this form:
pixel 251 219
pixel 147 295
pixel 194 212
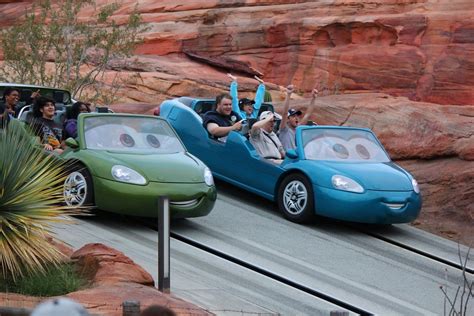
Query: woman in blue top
pixel 247 109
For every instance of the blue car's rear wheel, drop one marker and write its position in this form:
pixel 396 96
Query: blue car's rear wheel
pixel 77 189
pixel 295 198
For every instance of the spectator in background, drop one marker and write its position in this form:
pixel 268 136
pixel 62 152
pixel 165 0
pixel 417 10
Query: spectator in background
pixel 44 126
pixel 61 306
pixel 245 107
pixel 70 125
pixel 291 118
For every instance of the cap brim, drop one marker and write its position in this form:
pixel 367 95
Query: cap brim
pixel 295 113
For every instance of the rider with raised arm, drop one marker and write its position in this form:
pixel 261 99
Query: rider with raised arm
pixel 291 119
pixel 245 107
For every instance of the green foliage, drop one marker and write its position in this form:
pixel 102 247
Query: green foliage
pixel 30 200
pixel 267 98
pixel 53 47
pixel 55 280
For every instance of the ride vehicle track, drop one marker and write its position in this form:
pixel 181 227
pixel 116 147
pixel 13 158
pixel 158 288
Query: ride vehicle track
pixel 269 274
pixel 401 248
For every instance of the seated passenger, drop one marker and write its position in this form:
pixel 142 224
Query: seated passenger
pixel 7 111
pixel 292 118
pixel 245 107
pixel 70 125
pixel 223 120
pixel 44 126
pixel 264 140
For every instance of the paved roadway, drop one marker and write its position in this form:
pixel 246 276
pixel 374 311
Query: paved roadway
pixel 327 256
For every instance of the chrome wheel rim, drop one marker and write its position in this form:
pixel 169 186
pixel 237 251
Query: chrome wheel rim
pixel 295 197
pixel 75 189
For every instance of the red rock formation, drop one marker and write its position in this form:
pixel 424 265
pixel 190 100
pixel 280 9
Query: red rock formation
pixel 114 278
pixel 416 48
pixel 102 265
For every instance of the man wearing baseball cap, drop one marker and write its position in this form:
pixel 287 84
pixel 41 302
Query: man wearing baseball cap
pixel 264 140
pixel 292 119
pixel 246 107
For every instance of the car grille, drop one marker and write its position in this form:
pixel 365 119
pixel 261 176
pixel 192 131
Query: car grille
pixel 189 203
pixel 395 206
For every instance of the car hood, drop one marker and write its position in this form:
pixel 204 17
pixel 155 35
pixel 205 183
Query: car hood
pixel 372 176
pixel 171 168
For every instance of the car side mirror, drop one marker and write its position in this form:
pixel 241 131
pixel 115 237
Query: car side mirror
pixel 71 142
pixel 291 153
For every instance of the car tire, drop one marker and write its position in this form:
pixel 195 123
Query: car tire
pixel 78 189
pixel 296 199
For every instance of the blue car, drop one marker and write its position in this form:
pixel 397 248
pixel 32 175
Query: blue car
pixel 336 171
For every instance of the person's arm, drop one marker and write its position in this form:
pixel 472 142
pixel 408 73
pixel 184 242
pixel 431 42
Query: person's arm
pixel 286 106
pixel 259 95
pixel 310 110
pixel 220 131
pixel 259 124
pixel 71 128
pixel 234 94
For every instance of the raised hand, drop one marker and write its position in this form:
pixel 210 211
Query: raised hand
pixel 234 78
pixel 259 79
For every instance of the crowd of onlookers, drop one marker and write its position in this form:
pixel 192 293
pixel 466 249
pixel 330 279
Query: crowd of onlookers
pixel 50 132
pixel 270 142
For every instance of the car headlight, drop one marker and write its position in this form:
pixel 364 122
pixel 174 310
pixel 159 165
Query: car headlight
pixel 416 188
pixel 208 177
pixel 346 184
pixel 125 174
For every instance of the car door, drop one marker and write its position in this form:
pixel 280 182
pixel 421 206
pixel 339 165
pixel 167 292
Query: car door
pixel 247 169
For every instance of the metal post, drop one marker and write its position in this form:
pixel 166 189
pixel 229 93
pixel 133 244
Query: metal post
pixel 163 244
pixel 130 308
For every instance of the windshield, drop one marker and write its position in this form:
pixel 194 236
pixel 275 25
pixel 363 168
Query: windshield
pixel 342 145
pixel 130 134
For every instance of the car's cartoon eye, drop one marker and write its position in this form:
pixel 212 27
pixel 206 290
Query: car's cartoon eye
pixel 153 141
pixel 341 151
pixel 362 151
pixel 127 140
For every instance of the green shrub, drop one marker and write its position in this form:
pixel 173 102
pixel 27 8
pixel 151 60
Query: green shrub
pixel 56 280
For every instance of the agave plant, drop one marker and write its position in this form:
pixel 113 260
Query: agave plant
pixel 30 201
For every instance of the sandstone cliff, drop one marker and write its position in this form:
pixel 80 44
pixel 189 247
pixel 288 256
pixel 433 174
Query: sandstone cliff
pixel 422 49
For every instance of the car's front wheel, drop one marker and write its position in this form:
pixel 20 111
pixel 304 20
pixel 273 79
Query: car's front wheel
pixel 295 198
pixel 77 189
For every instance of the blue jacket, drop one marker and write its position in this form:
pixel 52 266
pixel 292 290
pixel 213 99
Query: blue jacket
pixel 258 100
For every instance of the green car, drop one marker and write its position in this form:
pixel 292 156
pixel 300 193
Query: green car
pixel 122 162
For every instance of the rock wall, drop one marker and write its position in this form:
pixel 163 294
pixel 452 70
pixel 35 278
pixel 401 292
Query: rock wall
pixel 422 49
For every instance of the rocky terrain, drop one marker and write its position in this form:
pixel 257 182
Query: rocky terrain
pixel 404 68
pixel 113 278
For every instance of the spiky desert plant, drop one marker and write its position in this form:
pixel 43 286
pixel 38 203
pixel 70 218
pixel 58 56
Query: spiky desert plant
pixel 30 201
